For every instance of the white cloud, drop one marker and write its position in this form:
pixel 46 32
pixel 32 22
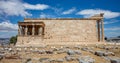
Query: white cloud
pixel 111 21
pixel 13 7
pixel 69 11
pixel 35 7
pixel 112 28
pixel 8 26
pixel 43 15
pixel 18 8
pixel 90 12
pixel 58 11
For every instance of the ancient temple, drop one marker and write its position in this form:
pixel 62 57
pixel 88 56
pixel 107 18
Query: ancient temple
pixel 34 32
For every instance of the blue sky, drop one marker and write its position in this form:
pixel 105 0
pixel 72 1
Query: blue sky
pixel 12 11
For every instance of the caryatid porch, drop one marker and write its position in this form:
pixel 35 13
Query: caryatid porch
pixel 31 28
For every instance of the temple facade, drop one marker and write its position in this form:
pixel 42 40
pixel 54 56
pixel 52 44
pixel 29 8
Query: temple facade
pixel 35 32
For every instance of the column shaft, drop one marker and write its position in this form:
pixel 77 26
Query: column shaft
pixel 33 30
pixel 102 30
pixel 43 31
pixel 40 31
pixel 98 23
pixel 26 30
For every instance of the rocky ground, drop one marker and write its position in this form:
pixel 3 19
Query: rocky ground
pixel 103 53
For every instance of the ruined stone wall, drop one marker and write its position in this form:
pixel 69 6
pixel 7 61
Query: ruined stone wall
pixel 69 30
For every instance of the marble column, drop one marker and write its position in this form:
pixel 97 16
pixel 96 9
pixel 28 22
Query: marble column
pixel 26 30
pixel 102 30
pixel 33 30
pixel 98 23
pixel 40 31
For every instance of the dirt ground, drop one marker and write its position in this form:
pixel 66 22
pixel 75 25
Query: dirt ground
pixel 36 56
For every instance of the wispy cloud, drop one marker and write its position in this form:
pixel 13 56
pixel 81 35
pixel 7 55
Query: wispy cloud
pixel 90 12
pixel 18 8
pixel 35 7
pixel 69 11
pixel 111 21
pixel 112 34
pixel 57 11
pixel 8 26
pixel 43 15
pixel 112 29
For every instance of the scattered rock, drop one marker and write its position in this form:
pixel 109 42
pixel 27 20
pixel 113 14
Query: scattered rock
pixel 86 59
pixel 49 52
pixel 77 52
pixel 43 59
pixel 103 53
pixel 60 60
pixel 108 54
pixel 12 57
pixel 77 47
pixel 29 60
pixel 70 58
pixel 60 52
pixel 84 48
pixel 10 49
pixel 1 57
pixel 99 53
pixel 55 49
pixel 108 47
pixel 92 51
pixel 41 51
pixel 18 49
pixel 115 60
pixel 70 52
pixel 52 60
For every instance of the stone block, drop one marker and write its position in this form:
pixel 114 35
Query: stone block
pixel 70 52
pixel 78 52
pixel 99 53
pixel 49 52
pixel 115 60
pixel 41 51
pixel 43 59
pixel 86 59
pixel 70 58
pixel 61 60
pixel 108 54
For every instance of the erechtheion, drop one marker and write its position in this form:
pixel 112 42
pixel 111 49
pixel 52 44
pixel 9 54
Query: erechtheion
pixel 34 32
